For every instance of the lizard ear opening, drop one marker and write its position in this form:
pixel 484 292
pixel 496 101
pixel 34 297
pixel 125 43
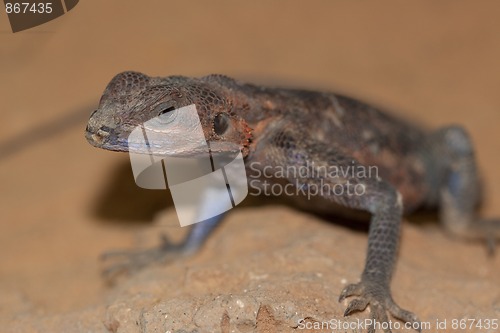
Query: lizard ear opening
pixel 164 108
pixel 221 123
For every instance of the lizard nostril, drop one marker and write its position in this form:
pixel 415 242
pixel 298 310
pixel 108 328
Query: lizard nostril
pixel 104 131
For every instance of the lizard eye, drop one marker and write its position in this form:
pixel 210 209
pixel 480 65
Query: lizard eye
pixel 221 123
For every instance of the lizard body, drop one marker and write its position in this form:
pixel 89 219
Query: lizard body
pixel 285 127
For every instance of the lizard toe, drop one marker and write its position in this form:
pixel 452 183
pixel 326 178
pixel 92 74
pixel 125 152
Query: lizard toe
pixel 354 289
pixel 378 314
pixel 408 317
pixel 359 304
pixel 490 228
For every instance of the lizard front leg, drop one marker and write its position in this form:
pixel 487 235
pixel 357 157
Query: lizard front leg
pixel 288 148
pixel 374 287
pixel 126 261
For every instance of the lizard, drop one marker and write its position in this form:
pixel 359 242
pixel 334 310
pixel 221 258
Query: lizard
pixel 282 127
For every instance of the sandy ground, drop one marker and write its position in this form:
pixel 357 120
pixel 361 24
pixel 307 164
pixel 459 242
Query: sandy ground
pixel 62 202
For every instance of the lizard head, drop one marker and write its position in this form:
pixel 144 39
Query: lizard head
pixel 133 101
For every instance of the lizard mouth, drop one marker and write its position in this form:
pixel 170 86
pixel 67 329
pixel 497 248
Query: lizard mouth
pixel 104 138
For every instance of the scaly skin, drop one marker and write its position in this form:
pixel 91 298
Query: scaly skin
pixel 280 128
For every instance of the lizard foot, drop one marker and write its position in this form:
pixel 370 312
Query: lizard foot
pixel 380 301
pixel 129 261
pixel 490 229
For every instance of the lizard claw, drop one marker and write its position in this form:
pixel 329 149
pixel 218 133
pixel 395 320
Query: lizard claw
pixel 380 301
pixel 358 304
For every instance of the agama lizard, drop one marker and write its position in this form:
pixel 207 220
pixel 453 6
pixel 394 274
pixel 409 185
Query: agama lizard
pixel 295 128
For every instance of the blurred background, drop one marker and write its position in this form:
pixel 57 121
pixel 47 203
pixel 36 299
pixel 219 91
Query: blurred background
pixel 63 202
